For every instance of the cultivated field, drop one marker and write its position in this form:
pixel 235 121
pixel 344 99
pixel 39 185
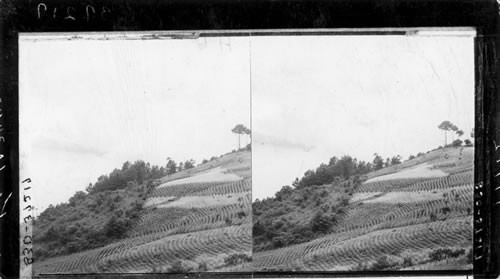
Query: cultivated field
pixel 412 216
pixel 195 220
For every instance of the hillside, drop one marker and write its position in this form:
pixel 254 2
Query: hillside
pixel 197 219
pixel 414 215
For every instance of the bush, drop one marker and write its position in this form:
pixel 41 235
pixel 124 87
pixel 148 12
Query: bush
pixel 433 217
pixel 236 259
pixel 241 214
pixel 441 254
pixel 179 267
pixel 468 142
pixel 469 256
pixel 382 263
pixel 456 143
pixel 202 266
pixel 115 227
pixel 278 242
pixel 407 261
pixel 321 223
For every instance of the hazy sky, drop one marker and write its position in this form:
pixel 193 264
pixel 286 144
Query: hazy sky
pixel 87 106
pixel 318 97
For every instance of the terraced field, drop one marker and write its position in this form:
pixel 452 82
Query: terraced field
pixel 170 235
pixel 395 222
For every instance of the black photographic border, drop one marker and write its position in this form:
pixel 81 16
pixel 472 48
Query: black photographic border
pixel 153 15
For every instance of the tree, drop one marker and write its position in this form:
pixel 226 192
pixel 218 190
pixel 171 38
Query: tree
pixel 460 133
pixel 472 133
pixel 115 227
pixel 468 142
pixel 396 160
pixel 180 167
pixel 457 143
pixel 240 129
pixel 320 223
pixel 189 164
pixel 77 198
pixel 88 189
pixel 454 129
pixel 249 133
pixel 171 166
pixel 447 126
pixel 378 162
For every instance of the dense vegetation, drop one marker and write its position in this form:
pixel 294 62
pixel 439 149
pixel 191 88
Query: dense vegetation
pixel 103 213
pixel 298 215
pixel 313 204
pixel 311 207
pixel 343 169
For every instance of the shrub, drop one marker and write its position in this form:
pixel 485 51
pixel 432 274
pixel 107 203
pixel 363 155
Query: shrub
pixel 241 214
pixel 469 256
pixel 433 217
pixel 278 242
pixel 468 142
pixel 321 223
pixel 115 227
pixel 441 254
pixel 179 267
pixel 382 263
pixel 202 266
pixel 236 259
pixel 407 261
pixel 457 143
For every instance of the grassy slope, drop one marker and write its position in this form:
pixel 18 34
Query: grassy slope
pixel 376 235
pixel 182 238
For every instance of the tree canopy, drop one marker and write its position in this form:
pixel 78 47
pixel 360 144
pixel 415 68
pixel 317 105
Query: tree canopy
pixel 240 129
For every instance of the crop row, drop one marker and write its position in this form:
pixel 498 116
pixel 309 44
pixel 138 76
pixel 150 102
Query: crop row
pixel 391 242
pixel 338 250
pixel 462 169
pixel 137 254
pixel 159 222
pixel 387 185
pixel 458 202
pixel 205 219
pixel 237 169
pixel 179 190
pixel 453 180
pixel 444 165
pixel 224 189
pixel 169 250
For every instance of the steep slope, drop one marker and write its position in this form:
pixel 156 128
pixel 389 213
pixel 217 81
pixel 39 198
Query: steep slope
pixel 414 215
pixel 195 220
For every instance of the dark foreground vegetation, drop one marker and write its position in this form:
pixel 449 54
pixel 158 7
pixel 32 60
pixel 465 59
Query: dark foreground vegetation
pixel 309 208
pixel 104 212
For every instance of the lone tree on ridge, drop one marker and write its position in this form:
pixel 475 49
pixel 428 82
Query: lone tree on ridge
pixel 240 129
pixel 447 126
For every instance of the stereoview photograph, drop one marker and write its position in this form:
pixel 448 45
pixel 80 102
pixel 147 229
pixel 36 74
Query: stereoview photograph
pixel 140 151
pixel 363 152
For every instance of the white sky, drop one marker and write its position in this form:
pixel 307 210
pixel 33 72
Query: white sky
pixel 88 106
pixel 318 97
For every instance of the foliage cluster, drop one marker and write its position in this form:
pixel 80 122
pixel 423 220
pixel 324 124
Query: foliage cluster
pixel 394 263
pixel 444 253
pixel 136 174
pixel 236 259
pixel 341 169
pixel 297 215
pixel 97 217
